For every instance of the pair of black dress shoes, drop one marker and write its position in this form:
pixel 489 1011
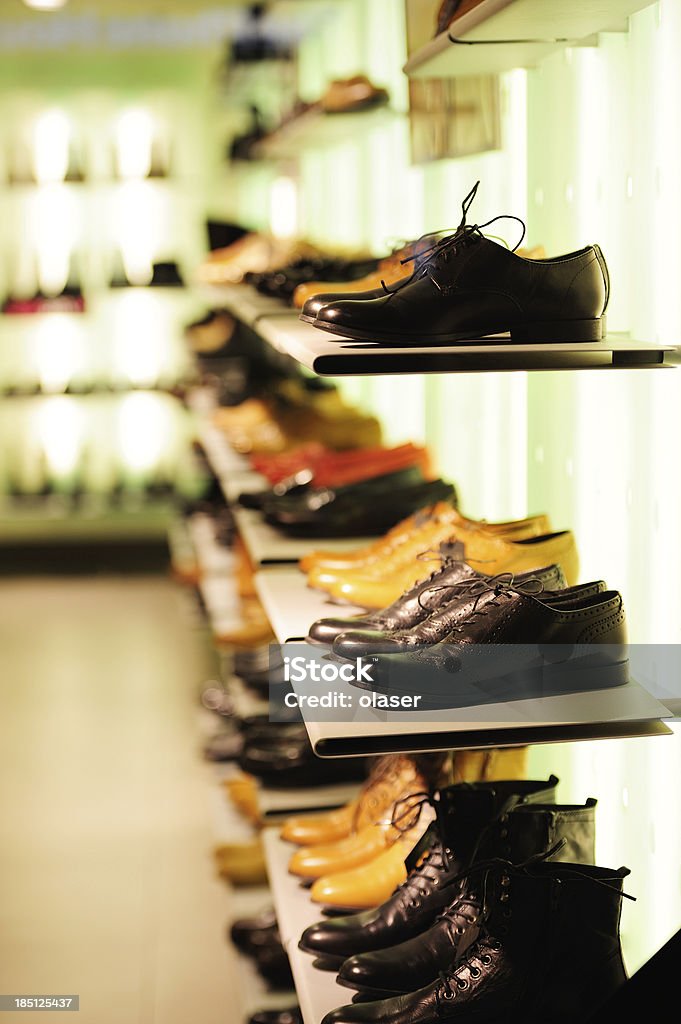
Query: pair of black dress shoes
pixel 461 638
pixel 258 938
pixel 503 917
pixel 465 286
pixel 356 510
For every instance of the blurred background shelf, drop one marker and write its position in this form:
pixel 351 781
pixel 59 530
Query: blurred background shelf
pixel 268 546
pixel 498 35
pixel 316 129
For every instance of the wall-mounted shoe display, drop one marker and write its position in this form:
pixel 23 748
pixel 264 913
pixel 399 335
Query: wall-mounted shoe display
pixel 469 287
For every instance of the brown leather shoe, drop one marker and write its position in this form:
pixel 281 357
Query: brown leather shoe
pixel 408 530
pixel 370 884
pixel 348 95
pixel 389 777
pixel 423 545
pixel 380 583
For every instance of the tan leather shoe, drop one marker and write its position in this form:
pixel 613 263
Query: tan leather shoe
pixel 372 883
pixel 314 829
pixel 254 629
pixel 351 852
pixel 489 765
pixel 448 526
pixel 242 791
pixel 406 532
pixel 485 552
pixel 400 533
pixel 254 253
pixel 241 863
pixel 391 776
pixel 347 95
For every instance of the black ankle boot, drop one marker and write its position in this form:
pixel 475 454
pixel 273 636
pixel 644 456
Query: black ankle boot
pixel 548 952
pixel 465 812
pixel 526 832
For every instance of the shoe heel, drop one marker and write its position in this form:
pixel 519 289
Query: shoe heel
pixel 557 331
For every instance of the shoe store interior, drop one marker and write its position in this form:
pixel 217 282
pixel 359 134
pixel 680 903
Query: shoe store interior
pixel 340 348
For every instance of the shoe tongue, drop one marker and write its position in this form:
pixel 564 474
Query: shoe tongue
pixel 467 809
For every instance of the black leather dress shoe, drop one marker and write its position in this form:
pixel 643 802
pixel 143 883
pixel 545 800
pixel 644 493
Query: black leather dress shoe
pixel 470 287
pixel 451 601
pixel 312 499
pixel 312 306
pixel 273 965
pixel 549 951
pixel 244 930
pixel 528 831
pixel 465 812
pixel 282 283
pixel 347 515
pixel 515 646
pixel 289 762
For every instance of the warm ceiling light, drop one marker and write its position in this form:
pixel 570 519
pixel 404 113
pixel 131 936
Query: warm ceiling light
pixel 46 5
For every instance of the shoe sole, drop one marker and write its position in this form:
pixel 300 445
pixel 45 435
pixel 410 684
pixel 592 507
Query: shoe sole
pixel 367 994
pixel 324 961
pixel 555 332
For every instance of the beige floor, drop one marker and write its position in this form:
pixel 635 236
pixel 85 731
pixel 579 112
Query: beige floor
pixel 106 885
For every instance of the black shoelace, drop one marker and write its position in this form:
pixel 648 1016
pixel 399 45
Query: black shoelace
pixel 451 980
pixel 503 584
pixel 444 250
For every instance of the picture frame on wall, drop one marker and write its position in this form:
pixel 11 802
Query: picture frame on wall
pixel 448 117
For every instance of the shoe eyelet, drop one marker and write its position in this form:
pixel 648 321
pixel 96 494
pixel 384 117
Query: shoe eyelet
pixel 505 880
pixel 486 959
pixel 504 897
pixel 462 984
pixel 459 930
pixel 475 972
pixel 507 912
pixel 448 994
pixel 503 834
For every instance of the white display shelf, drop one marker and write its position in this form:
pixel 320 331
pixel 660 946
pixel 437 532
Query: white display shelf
pixel 230 467
pixel 328 355
pixel 499 35
pixel 316 129
pixel 222 457
pixel 618 712
pixel 291 605
pixel 229 826
pixel 268 546
pixel 317 990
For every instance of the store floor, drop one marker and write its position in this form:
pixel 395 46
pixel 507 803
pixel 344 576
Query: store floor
pixel 106 881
